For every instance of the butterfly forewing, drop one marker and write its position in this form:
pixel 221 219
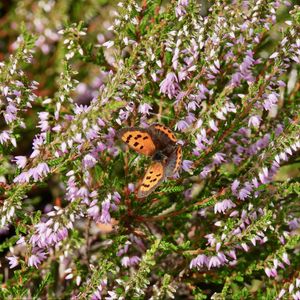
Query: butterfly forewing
pixel 152 179
pixel 164 137
pixel 138 139
pixel 169 134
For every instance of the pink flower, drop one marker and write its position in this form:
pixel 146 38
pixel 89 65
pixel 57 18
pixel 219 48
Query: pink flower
pixel 214 261
pixel 144 108
pixel 36 258
pixel 169 86
pixel 21 161
pixel 187 165
pixel 224 205
pixel 88 161
pixel 254 121
pixel 200 261
pixel 13 261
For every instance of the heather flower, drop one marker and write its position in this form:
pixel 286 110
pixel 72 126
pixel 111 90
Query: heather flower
pixel 219 158
pixel 13 261
pixel 36 258
pixel 145 108
pixel 22 178
pixel 187 165
pixel 94 211
pixel 214 261
pixel 199 262
pixel 88 161
pixel 130 261
pixel 285 259
pixel 105 215
pixel 21 161
pixel 4 137
pixel 270 101
pixel 181 125
pixel 254 121
pixel 169 86
pixel 224 205
pixel 213 125
pixel 39 171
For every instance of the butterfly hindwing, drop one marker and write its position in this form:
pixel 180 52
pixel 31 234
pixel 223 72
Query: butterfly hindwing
pixel 138 139
pixel 152 179
pixel 174 161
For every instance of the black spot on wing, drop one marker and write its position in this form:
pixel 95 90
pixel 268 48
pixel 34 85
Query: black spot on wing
pixel 128 138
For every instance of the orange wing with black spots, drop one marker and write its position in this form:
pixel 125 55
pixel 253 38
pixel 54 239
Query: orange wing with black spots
pixel 138 139
pixel 178 152
pixel 152 179
pixel 167 133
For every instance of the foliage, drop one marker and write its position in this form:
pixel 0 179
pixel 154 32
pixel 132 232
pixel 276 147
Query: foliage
pixel 226 82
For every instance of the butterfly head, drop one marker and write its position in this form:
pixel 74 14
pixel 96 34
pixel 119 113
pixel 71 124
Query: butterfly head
pixel 159 156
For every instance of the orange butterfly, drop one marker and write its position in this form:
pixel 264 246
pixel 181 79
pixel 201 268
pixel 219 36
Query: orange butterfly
pixel 159 142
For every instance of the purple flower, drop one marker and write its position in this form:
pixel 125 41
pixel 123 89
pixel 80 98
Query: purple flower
pixel 105 215
pixel 23 177
pixel 116 197
pixel 145 108
pixel 263 176
pixel 285 259
pixel 43 123
pixel 296 296
pixel 36 258
pixel 10 113
pixel 5 137
pixel 234 186
pixel 187 165
pixel 213 125
pixel 214 261
pixel 254 121
pixel 271 272
pixel 169 86
pixel 179 11
pixel 127 261
pixel 219 158
pixel 222 206
pixel 13 261
pixel 88 161
pixel 181 125
pixel 199 262
pixel 205 172
pixel 270 101
pixel 244 192
pixel 93 211
pixel 39 171
pixel 21 161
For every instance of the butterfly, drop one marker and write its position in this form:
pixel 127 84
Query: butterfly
pixel 159 142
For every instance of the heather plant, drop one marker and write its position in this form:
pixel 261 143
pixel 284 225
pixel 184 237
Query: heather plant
pixel 225 81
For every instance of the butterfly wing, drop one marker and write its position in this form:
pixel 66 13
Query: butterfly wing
pixel 152 179
pixel 174 161
pixel 163 135
pixel 138 139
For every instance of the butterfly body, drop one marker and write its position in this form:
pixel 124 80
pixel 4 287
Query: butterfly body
pixel 160 143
